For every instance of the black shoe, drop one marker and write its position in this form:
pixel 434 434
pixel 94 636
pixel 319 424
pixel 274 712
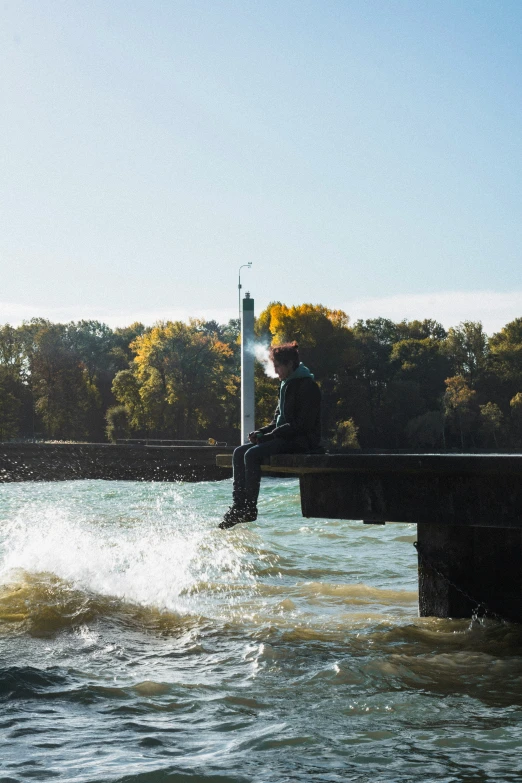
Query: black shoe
pixel 247 512
pixel 232 517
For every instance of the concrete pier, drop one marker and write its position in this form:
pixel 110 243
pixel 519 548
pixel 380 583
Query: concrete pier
pixel 468 510
pixel 67 461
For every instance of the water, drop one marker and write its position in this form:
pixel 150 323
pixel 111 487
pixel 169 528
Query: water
pixel 140 643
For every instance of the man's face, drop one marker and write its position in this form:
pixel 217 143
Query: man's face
pixel 283 370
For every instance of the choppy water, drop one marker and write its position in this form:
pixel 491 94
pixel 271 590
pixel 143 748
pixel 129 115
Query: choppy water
pixel 140 643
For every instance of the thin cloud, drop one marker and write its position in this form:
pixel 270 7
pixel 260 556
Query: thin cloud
pixel 493 308
pixel 14 314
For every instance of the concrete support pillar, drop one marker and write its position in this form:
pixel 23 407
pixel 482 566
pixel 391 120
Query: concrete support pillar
pixel 463 570
pixel 247 368
pixel 468 511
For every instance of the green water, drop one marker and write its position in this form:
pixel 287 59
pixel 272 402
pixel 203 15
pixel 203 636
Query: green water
pixel 140 643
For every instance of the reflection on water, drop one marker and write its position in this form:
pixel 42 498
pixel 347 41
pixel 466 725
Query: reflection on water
pixel 139 642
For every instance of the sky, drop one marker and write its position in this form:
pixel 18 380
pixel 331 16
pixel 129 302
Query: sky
pixel 361 154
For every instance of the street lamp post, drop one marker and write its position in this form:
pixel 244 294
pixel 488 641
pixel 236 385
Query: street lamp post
pixel 248 266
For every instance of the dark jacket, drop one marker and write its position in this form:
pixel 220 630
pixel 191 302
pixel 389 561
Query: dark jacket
pixel 302 415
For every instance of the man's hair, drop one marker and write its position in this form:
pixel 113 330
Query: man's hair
pixel 285 354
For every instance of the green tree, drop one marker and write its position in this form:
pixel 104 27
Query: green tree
pixel 426 430
pixel 420 330
pixel 491 422
pixel 422 361
pixel 94 343
pixel 118 424
pixel 227 425
pixel 15 395
pixel 126 389
pixel 506 358
pixel 10 405
pixel 467 348
pixel 372 373
pixel 63 392
pixel 12 352
pixel 458 402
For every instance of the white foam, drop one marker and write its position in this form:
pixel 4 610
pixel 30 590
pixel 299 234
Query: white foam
pixel 157 559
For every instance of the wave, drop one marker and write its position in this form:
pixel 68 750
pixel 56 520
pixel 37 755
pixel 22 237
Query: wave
pixel 173 775
pixel 25 682
pixel 152 560
pixel 42 604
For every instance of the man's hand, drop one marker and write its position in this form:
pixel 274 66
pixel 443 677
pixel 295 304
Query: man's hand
pixel 252 437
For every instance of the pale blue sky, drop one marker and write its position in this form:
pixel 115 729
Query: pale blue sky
pixel 363 154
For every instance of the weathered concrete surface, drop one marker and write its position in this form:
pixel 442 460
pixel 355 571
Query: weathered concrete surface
pixel 475 490
pixel 463 500
pixel 64 461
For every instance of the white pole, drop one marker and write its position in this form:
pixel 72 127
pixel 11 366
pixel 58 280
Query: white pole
pixel 247 369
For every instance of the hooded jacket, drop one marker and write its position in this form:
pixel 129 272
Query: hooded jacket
pixel 298 415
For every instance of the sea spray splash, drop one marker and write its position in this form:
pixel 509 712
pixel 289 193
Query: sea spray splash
pixel 154 551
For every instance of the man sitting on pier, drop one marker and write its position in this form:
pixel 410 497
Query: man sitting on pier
pixel 296 427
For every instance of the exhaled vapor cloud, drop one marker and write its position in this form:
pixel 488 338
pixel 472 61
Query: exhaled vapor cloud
pixel 260 351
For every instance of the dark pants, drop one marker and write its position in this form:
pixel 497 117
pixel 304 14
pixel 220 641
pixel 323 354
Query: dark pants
pixel 247 462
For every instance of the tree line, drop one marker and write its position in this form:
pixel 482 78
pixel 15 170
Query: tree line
pixel 411 384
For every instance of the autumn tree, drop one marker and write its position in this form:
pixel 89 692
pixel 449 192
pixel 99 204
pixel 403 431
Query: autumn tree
pixel 345 436
pixel 326 345
pixel 178 384
pixel 122 339
pixel 515 406
pixel 325 341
